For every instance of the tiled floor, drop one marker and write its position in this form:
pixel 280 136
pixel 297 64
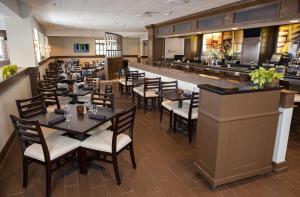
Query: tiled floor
pixel 164 168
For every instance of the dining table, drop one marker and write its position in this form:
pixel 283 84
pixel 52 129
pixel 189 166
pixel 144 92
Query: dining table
pixel 174 95
pixel 79 125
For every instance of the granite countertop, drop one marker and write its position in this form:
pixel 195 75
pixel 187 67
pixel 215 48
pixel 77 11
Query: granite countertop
pixel 235 90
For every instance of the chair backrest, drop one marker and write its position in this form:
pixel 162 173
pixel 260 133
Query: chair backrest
pixel 194 103
pixel 50 96
pixel 129 75
pixel 29 132
pixel 136 76
pixel 108 88
pixel 31 107
pixel 168 85
pixel 151 84
pixel 124 121
pixel 47 84
pixel 103 99
pixel 93 82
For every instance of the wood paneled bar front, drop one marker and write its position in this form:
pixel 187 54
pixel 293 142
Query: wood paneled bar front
pixel 236 132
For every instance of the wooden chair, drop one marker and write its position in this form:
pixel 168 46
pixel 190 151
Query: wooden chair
pixel 108 88
pixel 189 114
pixel 127 81
pixel 102 100
pixel 35 148
pixel 147 92
pixel 112 143
pixel 31 107
pixel 50 96
pixel 93 83
pixel 165 104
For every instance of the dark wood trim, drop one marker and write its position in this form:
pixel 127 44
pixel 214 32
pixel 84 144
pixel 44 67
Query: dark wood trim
pixel 144 56
pixel 6 148
pixel 44 61
pixel 70 56
pixel 131 56
pixel 280 168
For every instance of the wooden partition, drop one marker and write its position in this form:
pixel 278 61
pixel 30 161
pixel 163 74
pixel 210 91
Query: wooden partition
pixel 236 134
pixel 112 67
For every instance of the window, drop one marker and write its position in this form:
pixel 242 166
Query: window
pixel 3 49
pixel 100 47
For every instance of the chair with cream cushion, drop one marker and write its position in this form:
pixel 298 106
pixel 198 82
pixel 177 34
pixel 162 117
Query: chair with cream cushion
pixel 45 151
pixel 34 106
pixel 126 81
pixel 148 92
pixel 111 143
pixel 165 104
pixel 102 100
pixel 188 113
pixel 93 83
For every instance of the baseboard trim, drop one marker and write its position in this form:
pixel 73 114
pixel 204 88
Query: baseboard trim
pixel 7 147
pixel 280 168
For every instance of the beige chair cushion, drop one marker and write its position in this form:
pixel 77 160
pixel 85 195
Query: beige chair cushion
pixel 84 99
pixel 184 112
pixel 57 146
pixel 103 141
pixel 149 93
pixel 101 128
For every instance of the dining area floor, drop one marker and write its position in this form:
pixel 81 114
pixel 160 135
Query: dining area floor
pixel 164 168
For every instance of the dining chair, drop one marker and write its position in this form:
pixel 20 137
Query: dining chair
pixel 167 105
pixel 108 88
pixel 148 92
pixel 188 113
pixel 45 151
pixel 127 81
pixel 31 107
pixel 105 100
pixel 138 76
pixel 92 83
pixel 50 97
pixel 112 142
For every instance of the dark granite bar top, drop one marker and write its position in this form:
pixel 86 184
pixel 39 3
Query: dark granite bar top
pixel 235 90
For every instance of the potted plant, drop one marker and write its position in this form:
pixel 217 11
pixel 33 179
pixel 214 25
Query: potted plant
pixel 265 78
pixel 9 70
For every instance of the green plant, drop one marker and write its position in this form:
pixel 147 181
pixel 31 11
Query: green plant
pixel 264 77
pixel 9 70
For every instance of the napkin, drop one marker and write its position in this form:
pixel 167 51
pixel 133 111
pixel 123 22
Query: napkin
pixel 56 120
pixel 187 94
pixel 97 116
pixel 59 111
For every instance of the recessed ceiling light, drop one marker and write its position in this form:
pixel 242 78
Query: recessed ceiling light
pixel 177 2
pixel 294 21
pixel 168 13
pixel 234 28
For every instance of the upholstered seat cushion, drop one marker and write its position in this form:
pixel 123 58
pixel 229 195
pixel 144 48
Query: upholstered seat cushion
pixel 129 83
pixel 57 146
pixel 84 99
pixel 170 105
pixel 184 112
pixel 103 141
pixel 101 128
pixel 149 93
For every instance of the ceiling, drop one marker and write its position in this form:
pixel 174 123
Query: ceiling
pixel 127 17
pixel 2 24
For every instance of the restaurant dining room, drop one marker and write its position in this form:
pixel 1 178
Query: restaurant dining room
pixel 140 98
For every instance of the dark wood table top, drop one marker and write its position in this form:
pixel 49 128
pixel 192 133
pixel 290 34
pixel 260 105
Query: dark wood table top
pixel 173 96
pixel 79 124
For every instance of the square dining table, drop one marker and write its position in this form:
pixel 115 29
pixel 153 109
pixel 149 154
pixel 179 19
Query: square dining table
pixel 79 125
pixel 172 95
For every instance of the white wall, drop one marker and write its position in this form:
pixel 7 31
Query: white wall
pixel 20 41
pixel 18 90
pixel 174 46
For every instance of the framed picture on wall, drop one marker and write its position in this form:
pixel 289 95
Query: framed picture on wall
pixel 81 48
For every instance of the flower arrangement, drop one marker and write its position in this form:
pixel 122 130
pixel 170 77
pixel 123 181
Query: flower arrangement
pixel 9 70
pixel 213 54
pixel 264 77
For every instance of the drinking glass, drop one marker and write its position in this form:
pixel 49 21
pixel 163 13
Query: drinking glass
pixel 68 116
pixel 94 109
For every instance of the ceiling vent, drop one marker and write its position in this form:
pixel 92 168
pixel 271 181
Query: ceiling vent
pixel 177 2
pixel 148 14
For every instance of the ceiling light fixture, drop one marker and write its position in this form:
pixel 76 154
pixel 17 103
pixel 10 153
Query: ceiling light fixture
pixel 177 2
pixel 294 21
pixel 234 28
pixel 168 13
